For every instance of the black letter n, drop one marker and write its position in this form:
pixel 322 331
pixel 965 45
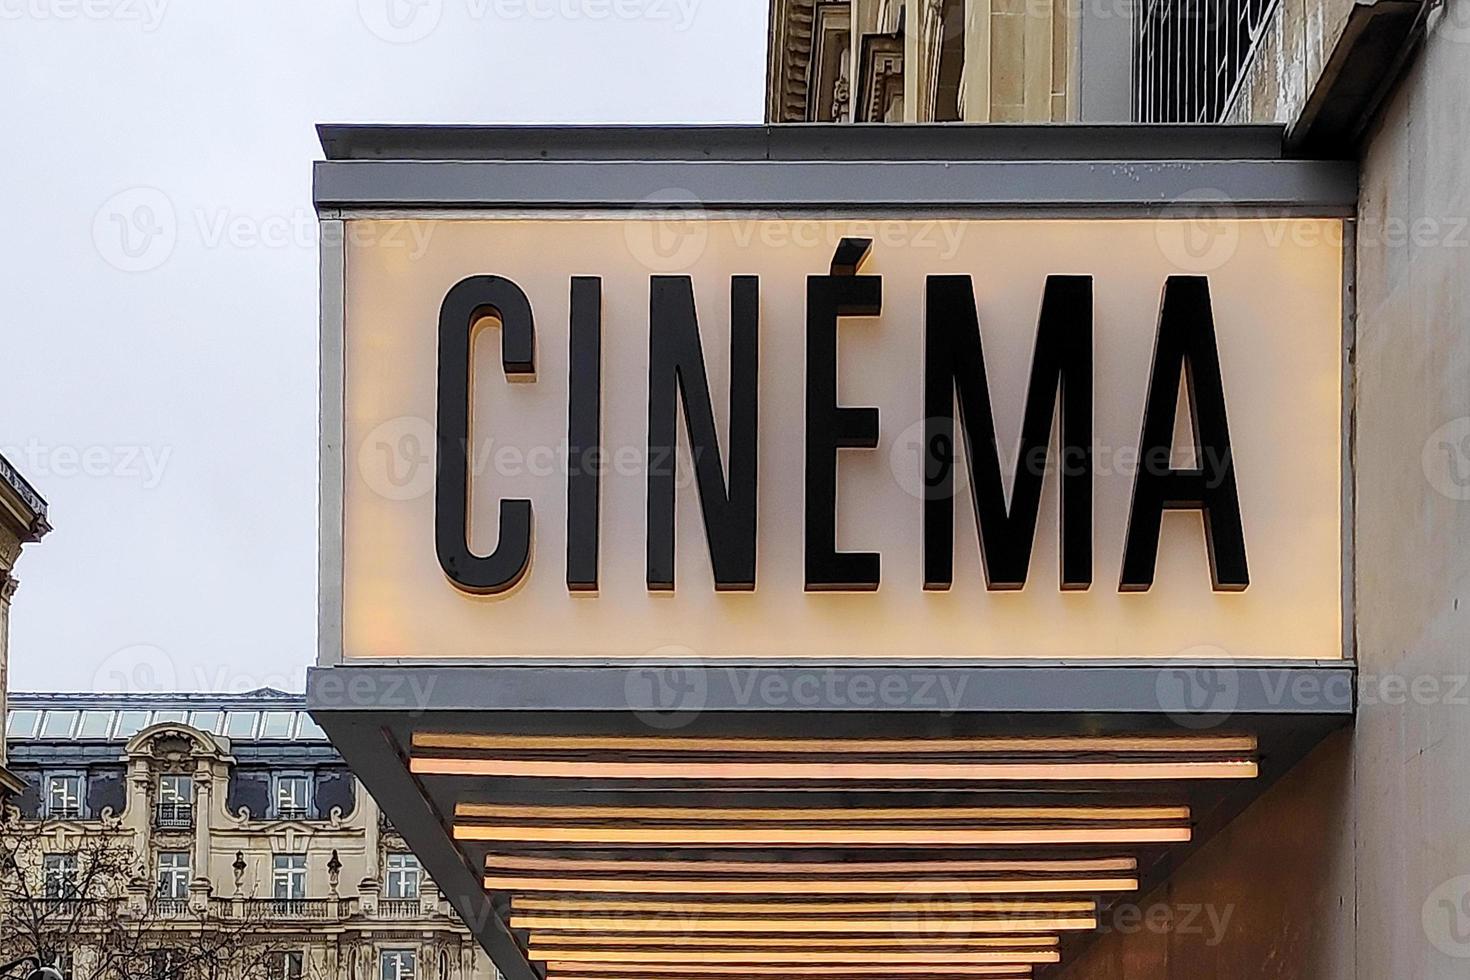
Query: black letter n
pixel 676 364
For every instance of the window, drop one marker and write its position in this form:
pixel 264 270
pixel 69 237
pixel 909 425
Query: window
pixel 130 723
pixel 95 724
pixel 403 876
pixel 310 729
pixel 293 796
pixel 241 724
pixel 58 724
pixel 175 801
pixel 287 965
pixel 288 876
pixel 173 874
pixel 23 723
pixel 59 876
pixel 64 794
pixel 164 964
pixel 276 724
pixel 173 716
pixel 208 721
pixel 396 964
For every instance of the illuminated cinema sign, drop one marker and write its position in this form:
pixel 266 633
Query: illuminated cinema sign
pixel 1052 438
pixel 890 512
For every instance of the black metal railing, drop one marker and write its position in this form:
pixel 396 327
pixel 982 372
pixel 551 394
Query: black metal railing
pixel 174 816
pixel 1189 56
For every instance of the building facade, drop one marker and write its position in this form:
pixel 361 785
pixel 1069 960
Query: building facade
pixel 923 61
pixel 22 520
pixel 239 815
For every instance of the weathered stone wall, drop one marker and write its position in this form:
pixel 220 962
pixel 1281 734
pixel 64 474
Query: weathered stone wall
pixel 9 551
pixel 1289 59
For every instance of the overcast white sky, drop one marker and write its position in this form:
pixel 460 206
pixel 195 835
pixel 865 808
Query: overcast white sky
pixel 158 281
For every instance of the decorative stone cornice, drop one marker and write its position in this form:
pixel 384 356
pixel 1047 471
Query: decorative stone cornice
pixel 10 544
pixel 27 504
pixel 790 61
pixel 176 745
pixel 10 785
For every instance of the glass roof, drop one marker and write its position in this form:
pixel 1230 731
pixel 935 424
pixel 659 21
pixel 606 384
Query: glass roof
pixel 120 724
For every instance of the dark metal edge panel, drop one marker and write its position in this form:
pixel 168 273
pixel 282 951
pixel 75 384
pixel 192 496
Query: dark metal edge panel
pixel 331 443
pixel 1174 689
pixel 371 753
pixel 1290 186
pixel 799 141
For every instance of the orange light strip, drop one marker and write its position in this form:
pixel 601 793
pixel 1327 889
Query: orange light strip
pixel 929 972
pixel 564 971
pixel 846 886
pixel 926 927
pixel 561 957
pixel 837 771
pixel 1053 866
pixel 934 972
pixel 674 743
pixel 838 973
pixel 790 942
pixel 825 836
pixel 497 811
pixel 528 903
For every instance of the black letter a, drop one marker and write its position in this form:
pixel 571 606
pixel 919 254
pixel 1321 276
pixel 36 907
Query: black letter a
pixel 1186 341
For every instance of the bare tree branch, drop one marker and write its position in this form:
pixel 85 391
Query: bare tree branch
pixel 96 909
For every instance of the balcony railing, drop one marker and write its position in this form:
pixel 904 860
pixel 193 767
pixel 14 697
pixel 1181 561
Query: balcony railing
pixel 178 816
pixel 170 908
pixel 297 909
pixel 400 908
pixel 58 910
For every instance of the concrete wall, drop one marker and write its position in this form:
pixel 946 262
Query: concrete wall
pixel 1413 760
pixel 1357 864
pixel 1269 898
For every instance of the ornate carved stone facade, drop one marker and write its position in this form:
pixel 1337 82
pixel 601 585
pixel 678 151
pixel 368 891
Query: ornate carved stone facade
pixel 922 60
pixel 237 809
pixel 22 520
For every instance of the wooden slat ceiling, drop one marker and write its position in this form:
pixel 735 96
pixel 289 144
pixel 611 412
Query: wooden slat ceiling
pixel 680 886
